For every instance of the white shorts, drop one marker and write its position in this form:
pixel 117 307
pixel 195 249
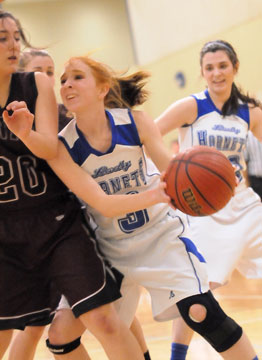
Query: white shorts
pixel 164 260
pixel 232 238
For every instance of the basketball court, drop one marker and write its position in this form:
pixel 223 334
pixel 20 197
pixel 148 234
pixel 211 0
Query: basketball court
pixel 241 298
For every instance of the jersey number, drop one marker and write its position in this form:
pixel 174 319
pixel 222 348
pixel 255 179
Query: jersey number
pixel 234 159
pixel 133 220
pixel 32 183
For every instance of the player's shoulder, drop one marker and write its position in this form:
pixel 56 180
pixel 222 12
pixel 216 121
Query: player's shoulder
pixel 120 116
pixel 202 95
pixel 69 132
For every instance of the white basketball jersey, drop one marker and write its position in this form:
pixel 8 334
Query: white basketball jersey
pixel 122 169
pixel 227 134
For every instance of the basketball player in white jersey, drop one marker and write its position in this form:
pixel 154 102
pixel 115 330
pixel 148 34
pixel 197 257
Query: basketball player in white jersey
pixel 24 344
pixel 220 117
pixel 151 247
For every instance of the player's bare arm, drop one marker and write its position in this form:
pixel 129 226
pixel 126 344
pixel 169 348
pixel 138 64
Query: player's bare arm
pixel 151 138
pixel 183 111
pixel 86 188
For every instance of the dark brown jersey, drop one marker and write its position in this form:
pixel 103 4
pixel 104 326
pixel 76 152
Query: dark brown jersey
pixel 26 181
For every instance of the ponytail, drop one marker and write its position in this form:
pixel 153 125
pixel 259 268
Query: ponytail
pixel 128 91
pixel 232 104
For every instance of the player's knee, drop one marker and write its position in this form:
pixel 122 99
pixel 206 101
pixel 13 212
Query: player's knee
pixel 63 348
pixel 63 327
pixel 103 319
pixel 197 312
pixel 205 316
pixel 55 335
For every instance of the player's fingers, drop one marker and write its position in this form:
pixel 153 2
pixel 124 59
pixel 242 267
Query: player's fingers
pixel 162 176
pixel 162 187
pixel 14 105
pixel 6 115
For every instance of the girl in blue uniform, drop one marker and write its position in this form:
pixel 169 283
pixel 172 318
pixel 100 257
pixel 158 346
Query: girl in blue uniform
pixel 24 344
pixel 220 117
pixel 151 247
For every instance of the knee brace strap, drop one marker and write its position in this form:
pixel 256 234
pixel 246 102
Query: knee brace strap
pixel 65 348
pixel 217 328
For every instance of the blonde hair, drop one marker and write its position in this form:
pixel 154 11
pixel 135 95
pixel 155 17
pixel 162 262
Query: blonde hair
pixel 125 91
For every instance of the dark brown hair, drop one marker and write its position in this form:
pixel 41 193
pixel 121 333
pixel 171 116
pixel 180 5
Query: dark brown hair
pixel 5 14
pixel 232 104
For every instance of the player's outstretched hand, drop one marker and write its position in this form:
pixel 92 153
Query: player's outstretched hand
pixel 162 178
pixel 18 119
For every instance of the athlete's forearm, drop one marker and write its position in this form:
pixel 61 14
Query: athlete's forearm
pixel 115 205
pixel 42 146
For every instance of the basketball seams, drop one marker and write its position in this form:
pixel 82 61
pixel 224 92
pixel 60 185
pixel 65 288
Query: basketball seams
pixel 196 188
pixel 181 161
pixel 168 179
pixel 212 172
pixel 190 161
pixel 200 181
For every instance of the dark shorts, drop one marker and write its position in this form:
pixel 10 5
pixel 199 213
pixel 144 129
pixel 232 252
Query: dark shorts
pixel 45 254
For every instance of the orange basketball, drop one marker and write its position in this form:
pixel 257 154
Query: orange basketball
pixel 200 181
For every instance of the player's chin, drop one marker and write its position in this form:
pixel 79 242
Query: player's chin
pixel 12 68
pixel 71 107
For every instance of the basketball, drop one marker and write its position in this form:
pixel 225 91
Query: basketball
pixel 200 181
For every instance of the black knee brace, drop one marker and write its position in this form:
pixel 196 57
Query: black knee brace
pixel 217 328
pixel 65 348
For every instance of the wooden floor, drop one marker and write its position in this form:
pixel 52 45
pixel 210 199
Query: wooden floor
pixel 242 299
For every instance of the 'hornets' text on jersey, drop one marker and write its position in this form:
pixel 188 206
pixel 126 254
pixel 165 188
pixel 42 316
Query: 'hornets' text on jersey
pixel 122 169
pixel 211 129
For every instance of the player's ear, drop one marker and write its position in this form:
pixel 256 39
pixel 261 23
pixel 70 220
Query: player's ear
pixel 103 90
pixel 236 67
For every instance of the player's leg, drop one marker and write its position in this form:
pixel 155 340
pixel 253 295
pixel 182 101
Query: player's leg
pixel 139 335
pixel 24 288
pixel 91 286
pixel 65 329
pixel 114 335
pixel 241 350
pixel 66 342
pixel 5 338
pixel 182 269
pixel 181 337
pixel 103 322
pixel 24 344
pixel 205 316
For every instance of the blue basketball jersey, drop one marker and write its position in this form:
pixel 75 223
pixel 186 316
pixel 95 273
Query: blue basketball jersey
pixel 122 169
pixel 227 134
